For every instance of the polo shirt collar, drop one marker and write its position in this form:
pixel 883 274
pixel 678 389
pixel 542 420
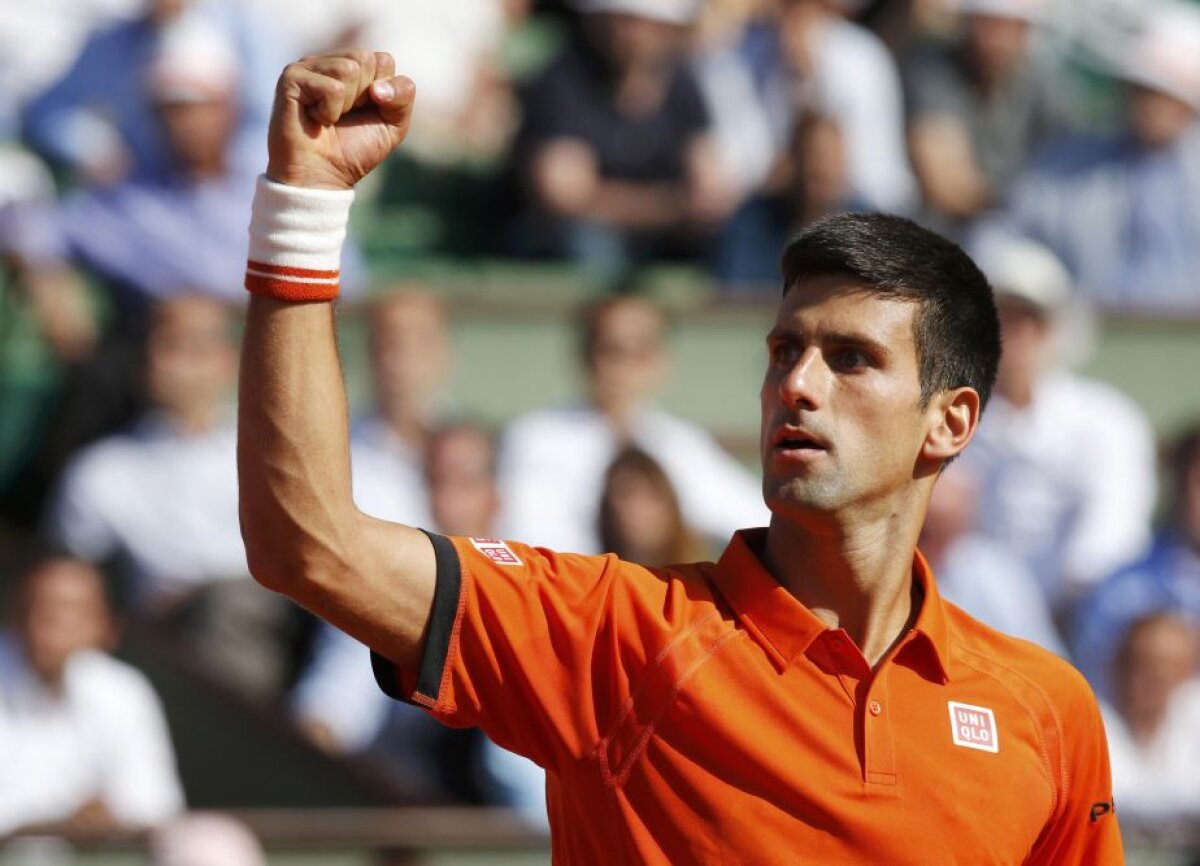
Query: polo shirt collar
pixel 785 627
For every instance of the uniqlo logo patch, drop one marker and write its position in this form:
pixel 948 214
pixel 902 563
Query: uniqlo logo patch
pixel 973 727
pixel 495 550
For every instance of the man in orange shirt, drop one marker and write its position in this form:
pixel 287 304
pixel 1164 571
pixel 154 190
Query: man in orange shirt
pixel 807 699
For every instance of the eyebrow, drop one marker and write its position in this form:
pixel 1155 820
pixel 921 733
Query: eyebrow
pixel 837 338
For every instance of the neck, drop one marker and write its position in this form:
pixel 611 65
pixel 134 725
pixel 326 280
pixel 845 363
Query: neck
pixel 641 90
pixel 1144 725
pixel 854 577
pixel 620 412
pixel 195 420
pixel 1017 390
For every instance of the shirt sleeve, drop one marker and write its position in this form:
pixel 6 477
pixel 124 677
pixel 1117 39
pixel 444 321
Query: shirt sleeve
pixel 521 644
pixel 1083 827
pixel 139 783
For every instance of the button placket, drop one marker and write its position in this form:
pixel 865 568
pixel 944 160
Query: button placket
pixel 878 741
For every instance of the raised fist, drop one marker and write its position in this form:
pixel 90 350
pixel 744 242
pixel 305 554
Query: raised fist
pixel 336 117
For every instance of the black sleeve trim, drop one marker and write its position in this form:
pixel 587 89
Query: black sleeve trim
pixel 446 594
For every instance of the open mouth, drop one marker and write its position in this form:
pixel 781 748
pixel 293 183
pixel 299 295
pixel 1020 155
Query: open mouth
pixel 790 444
pixel 798 440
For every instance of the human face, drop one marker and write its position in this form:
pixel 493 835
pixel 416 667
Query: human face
pixel 842 422
pixel 409 354
pixel 64 613
pixel 192 359
pixel 1159 658
pixel 1158 119
pixel 627 359
pixel 462 486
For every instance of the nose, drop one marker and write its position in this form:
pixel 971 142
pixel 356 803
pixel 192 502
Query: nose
pixel 805 384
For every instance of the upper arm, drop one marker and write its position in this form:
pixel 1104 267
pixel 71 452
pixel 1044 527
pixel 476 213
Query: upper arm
pixel 520 644
pixel 382 594
pixel 1083 827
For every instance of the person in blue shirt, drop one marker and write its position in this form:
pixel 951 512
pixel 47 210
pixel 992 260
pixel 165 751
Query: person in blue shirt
pixel 1166 579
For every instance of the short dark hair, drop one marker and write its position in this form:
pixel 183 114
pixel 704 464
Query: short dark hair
pixel 956 330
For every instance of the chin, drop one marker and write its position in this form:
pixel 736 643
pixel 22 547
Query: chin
pixel 790 497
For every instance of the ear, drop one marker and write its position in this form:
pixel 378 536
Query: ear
pixel 953 416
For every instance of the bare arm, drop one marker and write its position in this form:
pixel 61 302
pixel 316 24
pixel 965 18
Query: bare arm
pixel 304 536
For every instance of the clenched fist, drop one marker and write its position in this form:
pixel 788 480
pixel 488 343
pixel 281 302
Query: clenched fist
pixel 336 117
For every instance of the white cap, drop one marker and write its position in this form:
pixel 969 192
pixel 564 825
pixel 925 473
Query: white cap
pixel 681 12
pixel 1165 55
pixel 193 62
pixel 1021 268
pixel 1024 10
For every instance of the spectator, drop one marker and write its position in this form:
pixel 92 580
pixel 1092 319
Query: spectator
pixel 29 249
pixel 410 358
pixel 96 120
pixel 1165 579
pixel 833 96
pixel 640 520
pixel 615 150
pixel 453 51
pixel 338 705
pixel 1123 212
pixel 39 41
pixel 183 227
pixel 161 500
pixel 978 107
pixel 1152 725
pixel 1046 432
pixel 979 575
pixel 552 461
pixel 205 839
pixel 832 67
pixel 84 746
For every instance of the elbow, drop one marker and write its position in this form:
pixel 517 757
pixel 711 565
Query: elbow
pixel 285 558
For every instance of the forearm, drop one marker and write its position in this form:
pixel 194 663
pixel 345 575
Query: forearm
pixel 304 536
pixel 298 515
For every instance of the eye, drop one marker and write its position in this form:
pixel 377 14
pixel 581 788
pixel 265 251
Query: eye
pixel 848 359
pixel 784 354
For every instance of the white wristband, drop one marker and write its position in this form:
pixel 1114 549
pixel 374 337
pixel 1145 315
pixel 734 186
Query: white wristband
pixel 296 237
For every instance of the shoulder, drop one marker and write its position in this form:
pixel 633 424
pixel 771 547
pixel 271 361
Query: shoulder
pixel 638 600
pixel 540 425
pixel 1047 687
pixel 103 461
pixel 1083 399
pixel 104 681
pixel 1034 676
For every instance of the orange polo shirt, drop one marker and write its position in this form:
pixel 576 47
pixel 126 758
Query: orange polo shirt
pixel 701 714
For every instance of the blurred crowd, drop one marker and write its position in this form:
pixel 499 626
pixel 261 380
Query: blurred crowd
pixel 1058 140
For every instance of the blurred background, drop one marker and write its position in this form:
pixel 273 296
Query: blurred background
pixel 554 304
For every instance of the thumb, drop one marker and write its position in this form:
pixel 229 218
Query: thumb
pixel 394 99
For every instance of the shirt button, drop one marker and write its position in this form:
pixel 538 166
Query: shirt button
pixel 876 708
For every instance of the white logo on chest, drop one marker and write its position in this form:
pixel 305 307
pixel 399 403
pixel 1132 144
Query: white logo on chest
pixel 973 727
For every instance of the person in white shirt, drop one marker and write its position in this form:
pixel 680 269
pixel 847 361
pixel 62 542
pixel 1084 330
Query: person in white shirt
pixel 160 500
pixel 1152 725
pixel 162 497
pixel 979 575
pixel 552 461
pixel 84 745
pixel 1066 464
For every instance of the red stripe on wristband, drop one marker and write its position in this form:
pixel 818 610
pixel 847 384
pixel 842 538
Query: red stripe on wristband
pixel 283 288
